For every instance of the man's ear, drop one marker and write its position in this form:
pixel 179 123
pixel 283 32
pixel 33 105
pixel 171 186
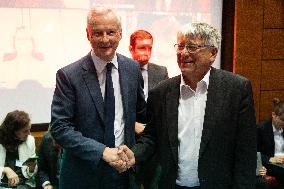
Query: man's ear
pixel 120 34
pixel 214 52
pixel 130 48
pixel 88 34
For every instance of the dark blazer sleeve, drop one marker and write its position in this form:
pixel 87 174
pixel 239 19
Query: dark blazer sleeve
pixel 63 110
pixel 245 149
pixel 145 146
pixel 265 141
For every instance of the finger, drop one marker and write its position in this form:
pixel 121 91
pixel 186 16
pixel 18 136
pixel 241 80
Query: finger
pixel 114 156
pixel 122 170
pixel 17 180
pixel 11 182
pixel 120 166
pixel 130 163
pixel 129 154
pixel 14 181
pixel 117 164
pixel 124 149
pixel 123 156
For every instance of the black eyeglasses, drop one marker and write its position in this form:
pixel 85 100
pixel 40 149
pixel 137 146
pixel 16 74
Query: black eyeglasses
pixel 190 48
pixel 100 34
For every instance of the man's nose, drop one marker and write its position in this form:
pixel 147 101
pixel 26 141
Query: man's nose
pixel 185 51
pixel 147 51
pixel 104 36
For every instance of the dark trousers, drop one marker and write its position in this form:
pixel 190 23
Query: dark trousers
pixel 261 183
pixel 277 172
pixel 111 178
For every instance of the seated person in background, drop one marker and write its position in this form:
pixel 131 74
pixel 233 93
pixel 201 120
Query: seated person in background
pixel 264 181
pixel 16 146
pixel 271 141
pixel 261 183
pixel 49 163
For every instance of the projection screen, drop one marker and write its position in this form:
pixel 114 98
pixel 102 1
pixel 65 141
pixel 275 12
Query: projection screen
pixel 40 36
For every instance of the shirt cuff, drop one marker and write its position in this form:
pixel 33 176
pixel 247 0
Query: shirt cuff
pixel 45 184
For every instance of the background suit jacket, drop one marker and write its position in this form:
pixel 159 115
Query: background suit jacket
pixel 156 74
pixel 265 141
pixel 228 144
pixel 48 161
pixel 77 118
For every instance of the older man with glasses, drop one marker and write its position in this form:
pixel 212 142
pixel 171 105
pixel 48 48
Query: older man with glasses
pixel 201 123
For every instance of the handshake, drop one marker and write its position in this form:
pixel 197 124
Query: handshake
pixel 120 158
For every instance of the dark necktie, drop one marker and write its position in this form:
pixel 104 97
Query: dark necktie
pixel 109 109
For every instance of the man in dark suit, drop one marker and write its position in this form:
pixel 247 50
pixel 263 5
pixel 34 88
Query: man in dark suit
pixel 95 105
pixel 141 43
pixel 48 163
pixel 270 141
pixel 202 123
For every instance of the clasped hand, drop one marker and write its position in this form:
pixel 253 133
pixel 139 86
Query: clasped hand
pixel 121 158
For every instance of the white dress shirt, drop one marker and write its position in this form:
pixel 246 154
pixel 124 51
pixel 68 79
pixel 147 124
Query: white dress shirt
pixel 144 71
pixel 100 66
pixel 191 111
pixel 279 141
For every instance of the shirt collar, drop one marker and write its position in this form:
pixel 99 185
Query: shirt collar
pixel 204 81
pixel 101 64
pixel 145 67
pixel 275 131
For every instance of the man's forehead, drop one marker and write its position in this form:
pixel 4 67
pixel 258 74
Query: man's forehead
pixel 189 38
pixel 104 27
pixel 143 41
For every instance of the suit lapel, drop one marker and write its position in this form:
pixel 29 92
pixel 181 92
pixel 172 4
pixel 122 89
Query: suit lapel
pixel 213 104
pixel 270 134
pixel 151 73
pixel 172 102
pixel 123 80
pixel 92 82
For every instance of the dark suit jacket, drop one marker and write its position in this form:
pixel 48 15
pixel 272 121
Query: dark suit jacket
pixel 77 118
pixel 48 162
pixel 228 144
pixel 265 141
pixel 147 173
pixel 156 74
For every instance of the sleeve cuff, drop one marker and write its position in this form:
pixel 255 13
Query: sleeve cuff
pixel 1 173
pixel 45 184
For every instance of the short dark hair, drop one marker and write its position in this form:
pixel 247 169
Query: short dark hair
pixel 139 34
pixel 278 106
pixel 14 121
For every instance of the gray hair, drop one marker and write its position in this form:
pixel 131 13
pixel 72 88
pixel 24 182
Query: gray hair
pixel 205 31
pixel 98 11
